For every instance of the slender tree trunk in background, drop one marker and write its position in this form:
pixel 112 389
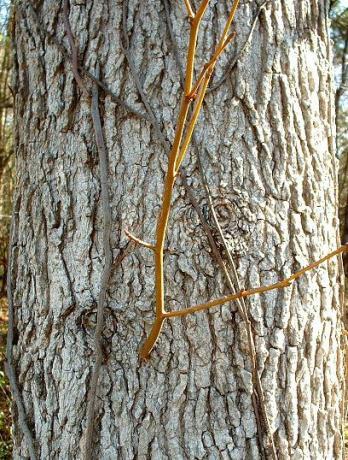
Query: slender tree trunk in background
pixel 266 141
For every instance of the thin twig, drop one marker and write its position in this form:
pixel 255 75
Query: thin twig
pixel 107 219
pixel 258 290
pixel 189 9
pixel 139 241
pixel 191 52
pixel 234 60
pixel 9 365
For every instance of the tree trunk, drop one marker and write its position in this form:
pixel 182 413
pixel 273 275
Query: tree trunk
pixel 266 142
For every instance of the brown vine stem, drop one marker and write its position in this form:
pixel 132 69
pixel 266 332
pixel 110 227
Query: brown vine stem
pixel 178 151
pixel 74 52
pixel 114 97
pixel 258 400
pixel 87 451
pixel 259 290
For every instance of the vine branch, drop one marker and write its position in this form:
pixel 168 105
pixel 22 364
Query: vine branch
pixel 114 97
pixel 258 399
pixel 106 273
pixel 74 53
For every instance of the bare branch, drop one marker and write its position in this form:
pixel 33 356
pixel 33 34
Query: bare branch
pixel 234 61
pixel 139 241
pixel 259 290
pixel 177 155
pixel 201 85
pixel 195 24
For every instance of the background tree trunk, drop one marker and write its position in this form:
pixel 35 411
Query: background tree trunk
pixel 266 142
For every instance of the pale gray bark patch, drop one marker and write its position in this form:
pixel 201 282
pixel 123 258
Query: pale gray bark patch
pixel 265 138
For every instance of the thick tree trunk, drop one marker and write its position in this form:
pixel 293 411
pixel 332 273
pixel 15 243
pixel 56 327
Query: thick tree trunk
pixel 265 137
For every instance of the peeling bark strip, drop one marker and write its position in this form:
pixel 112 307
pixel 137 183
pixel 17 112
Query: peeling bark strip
pixel 265 134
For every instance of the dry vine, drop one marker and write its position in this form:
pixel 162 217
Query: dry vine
pixel 258 399
pixel 106 273
pixel 79 67
pixel 106 215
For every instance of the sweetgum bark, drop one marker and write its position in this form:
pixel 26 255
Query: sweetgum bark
pixel 266 141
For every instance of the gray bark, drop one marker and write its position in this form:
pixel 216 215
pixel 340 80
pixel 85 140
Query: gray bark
pixel 266 143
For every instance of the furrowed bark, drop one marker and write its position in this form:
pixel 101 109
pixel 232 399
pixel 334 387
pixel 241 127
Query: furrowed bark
pixel 266 137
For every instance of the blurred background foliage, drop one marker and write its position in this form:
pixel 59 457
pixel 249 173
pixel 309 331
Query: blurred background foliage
pixel 339 35
pixel 6 187
pixel 6 145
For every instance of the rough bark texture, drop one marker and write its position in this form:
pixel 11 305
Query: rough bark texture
pixel 266 143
